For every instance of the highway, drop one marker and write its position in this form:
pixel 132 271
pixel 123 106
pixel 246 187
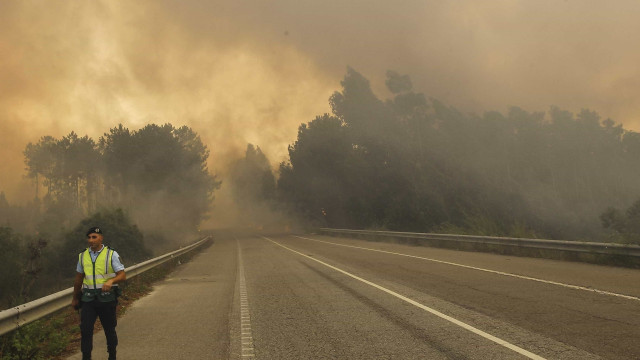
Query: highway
pixel 320 297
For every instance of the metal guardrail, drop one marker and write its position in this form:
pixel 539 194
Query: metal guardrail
pixel 15 317
pixel 562 245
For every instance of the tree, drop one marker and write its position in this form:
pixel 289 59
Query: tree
pixel 624 226
pixel 160 174
pixel 119 233
pixel 117 148
pixel 253 186
pixel 315 181
pixel 40 159
pixel 70 168
pixel 397 83
pixel 10 266
pixel 251 178
pixel 409 163
pixel 79 169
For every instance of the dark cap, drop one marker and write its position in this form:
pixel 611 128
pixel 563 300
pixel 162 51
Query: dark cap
pixel 94 230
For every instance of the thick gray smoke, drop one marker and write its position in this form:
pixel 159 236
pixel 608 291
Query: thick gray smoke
pixel 241 73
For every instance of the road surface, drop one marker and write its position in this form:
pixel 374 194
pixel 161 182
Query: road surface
pixel 320 297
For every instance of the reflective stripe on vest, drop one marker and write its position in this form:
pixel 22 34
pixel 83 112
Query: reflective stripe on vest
pixel 102 265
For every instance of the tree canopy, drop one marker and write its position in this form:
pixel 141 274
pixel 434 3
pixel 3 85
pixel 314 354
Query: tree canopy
pixel 253 188
pixel 410 163
pixel 152 183
pixel 159 173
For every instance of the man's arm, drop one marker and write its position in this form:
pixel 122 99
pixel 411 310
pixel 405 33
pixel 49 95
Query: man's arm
pixel 120 277
pixel 77 289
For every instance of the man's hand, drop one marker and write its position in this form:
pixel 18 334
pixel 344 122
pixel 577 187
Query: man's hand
pixel 120 277
pixel 75 302
pixel 77 292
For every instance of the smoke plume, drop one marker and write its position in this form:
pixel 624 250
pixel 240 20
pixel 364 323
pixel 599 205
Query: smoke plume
pixel 251 72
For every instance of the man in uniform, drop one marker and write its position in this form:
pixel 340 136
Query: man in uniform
pixel 95 291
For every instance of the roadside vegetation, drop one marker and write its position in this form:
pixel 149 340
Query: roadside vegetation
pixel 58 336
pixel 149 189
pixel 406 162
pixel 413 163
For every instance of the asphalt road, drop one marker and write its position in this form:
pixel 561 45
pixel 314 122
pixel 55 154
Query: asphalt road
pixel 318 297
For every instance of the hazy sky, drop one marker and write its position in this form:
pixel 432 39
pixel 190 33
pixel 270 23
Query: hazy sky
pixel 252 71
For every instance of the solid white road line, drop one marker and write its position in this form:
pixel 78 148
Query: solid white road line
pixel 575 287
pixel 466 326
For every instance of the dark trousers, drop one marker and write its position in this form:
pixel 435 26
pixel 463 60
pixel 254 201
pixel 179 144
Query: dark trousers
pixel 106 311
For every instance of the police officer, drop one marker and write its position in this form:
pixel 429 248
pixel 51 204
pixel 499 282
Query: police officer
pixel 95 291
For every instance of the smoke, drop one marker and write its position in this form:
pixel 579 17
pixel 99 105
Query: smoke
pixel 87 67
pixel 251 72
pixel 476 55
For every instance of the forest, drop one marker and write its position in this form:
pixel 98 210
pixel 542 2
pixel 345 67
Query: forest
pixel 405 163
pixel 145 188
pixel 412 163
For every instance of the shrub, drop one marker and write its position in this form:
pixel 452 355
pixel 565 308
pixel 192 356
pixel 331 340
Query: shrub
pixel 119 234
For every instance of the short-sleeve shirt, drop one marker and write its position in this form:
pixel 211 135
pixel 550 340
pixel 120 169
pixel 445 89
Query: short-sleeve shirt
pixel 115 260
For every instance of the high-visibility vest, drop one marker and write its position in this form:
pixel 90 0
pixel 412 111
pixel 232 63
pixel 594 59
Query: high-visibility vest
pixel 96 273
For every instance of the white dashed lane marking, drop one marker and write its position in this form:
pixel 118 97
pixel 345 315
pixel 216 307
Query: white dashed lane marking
pixel 246 337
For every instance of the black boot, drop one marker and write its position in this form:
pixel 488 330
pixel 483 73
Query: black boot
pixel 112 353
pixel 86 356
